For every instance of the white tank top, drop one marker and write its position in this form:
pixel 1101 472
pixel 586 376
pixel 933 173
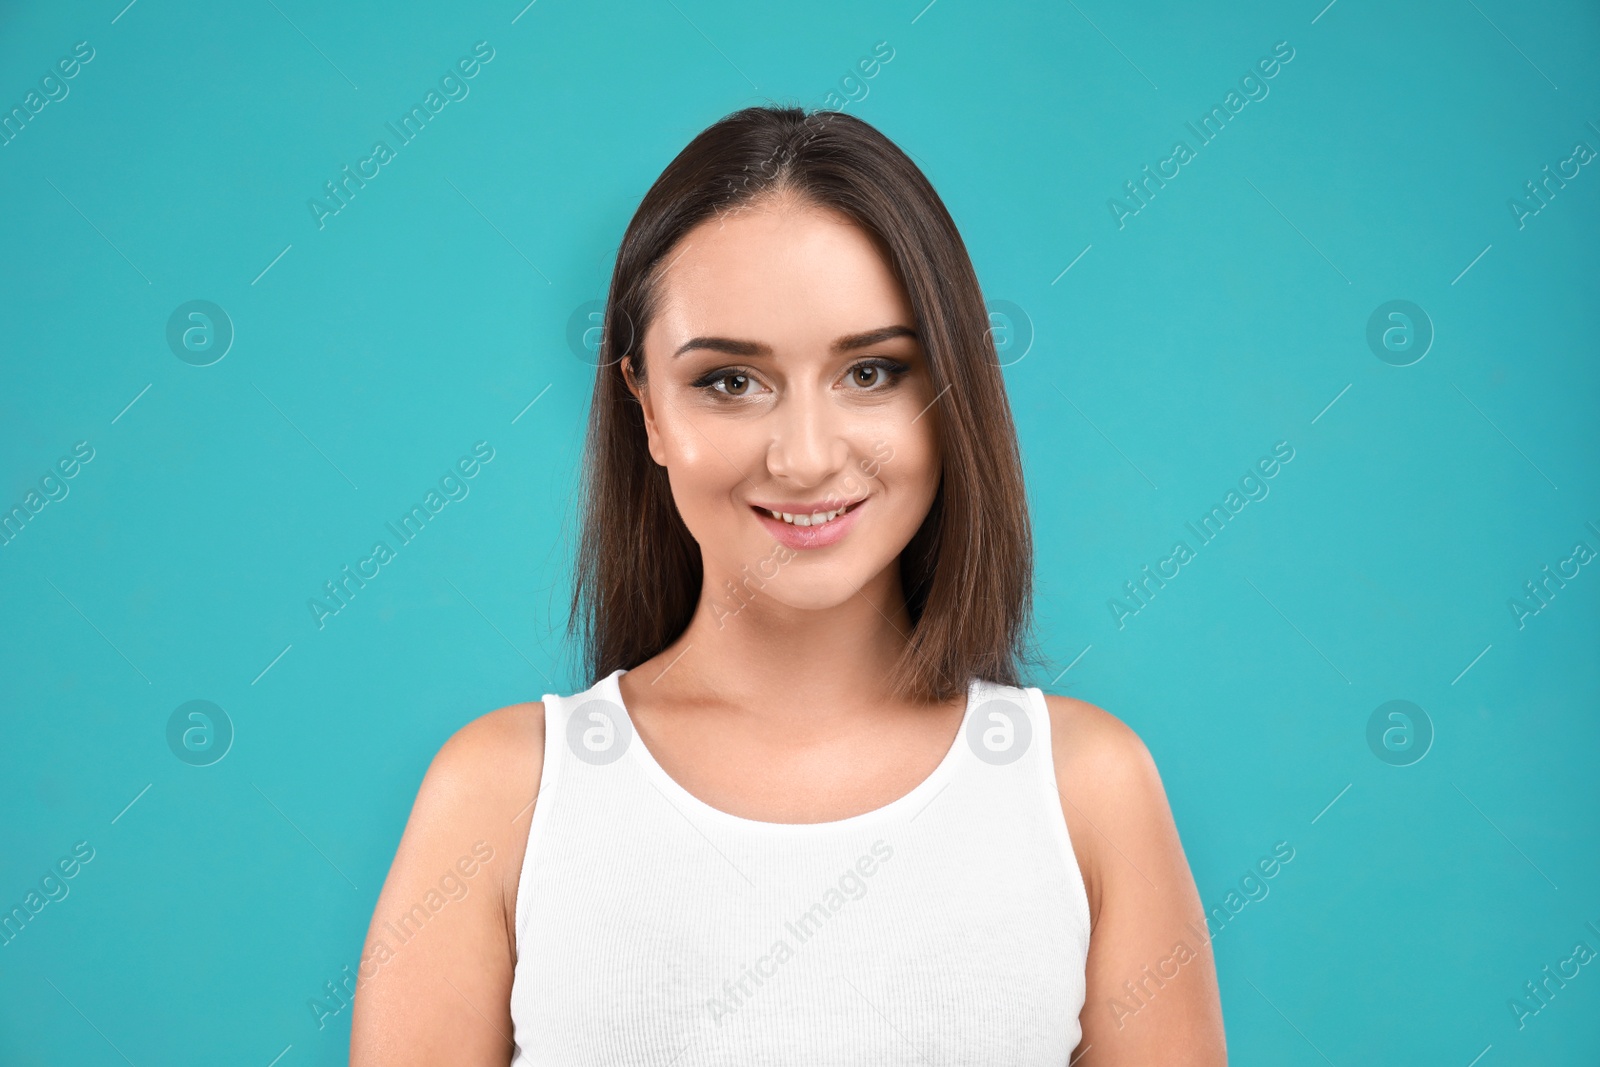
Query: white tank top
pixel 949 926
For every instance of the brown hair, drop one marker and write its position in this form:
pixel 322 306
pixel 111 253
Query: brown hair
pixel 968 571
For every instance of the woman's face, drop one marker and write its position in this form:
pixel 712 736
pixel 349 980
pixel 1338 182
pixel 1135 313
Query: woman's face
pixel 784 374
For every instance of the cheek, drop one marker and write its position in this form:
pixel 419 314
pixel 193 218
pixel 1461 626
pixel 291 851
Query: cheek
pixel 692 445
pixel 705 464
pixel 912 454
pixel 697 474
pixel 907 466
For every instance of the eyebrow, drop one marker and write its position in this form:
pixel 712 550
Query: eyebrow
pixel 848 343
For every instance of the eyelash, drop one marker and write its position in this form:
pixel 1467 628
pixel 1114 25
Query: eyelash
pixel 893 369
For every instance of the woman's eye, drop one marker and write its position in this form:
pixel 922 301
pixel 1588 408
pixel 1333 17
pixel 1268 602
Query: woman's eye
pixel 729 383
pixel 869 376
pixel 876 374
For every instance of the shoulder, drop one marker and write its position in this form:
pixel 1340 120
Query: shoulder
pixel 1111 794
pixel 455 872
pixel 489 752
pixel 1091 746
pixel 1105 772
pixel 1141 893
pixel 482 784
pixel 491 761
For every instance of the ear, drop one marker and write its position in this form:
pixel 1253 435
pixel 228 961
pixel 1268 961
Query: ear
pixel 641 393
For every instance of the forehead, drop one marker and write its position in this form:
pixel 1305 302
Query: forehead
pixel 790 275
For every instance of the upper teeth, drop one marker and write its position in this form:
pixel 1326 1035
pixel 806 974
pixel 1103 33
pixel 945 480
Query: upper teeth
pixel 816 518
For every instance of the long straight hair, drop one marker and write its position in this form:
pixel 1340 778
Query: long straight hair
pixel 967 573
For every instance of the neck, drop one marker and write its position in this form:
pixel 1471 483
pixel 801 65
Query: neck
pixel 746 649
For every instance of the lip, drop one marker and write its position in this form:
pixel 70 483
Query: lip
pixel 798 537
pixel 809 508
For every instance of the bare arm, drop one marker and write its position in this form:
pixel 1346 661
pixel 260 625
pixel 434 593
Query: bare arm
pixel 434 984
pixel 1151 995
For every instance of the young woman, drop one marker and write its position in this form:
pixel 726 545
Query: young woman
pixel 806 813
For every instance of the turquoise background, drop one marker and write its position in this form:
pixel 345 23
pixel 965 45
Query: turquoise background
pixel 1228 315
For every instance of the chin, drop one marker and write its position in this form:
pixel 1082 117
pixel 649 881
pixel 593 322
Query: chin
pixel 816 596
pixel 824 584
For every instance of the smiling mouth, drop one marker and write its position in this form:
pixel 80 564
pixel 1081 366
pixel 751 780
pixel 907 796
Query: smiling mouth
pixel 815 518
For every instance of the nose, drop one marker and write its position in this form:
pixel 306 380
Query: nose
pixel 808 447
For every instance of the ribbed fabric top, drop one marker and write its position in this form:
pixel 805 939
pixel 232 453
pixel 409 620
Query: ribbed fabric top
pixel 949 926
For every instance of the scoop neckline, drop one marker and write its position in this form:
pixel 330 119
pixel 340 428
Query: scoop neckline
pixel 912 800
